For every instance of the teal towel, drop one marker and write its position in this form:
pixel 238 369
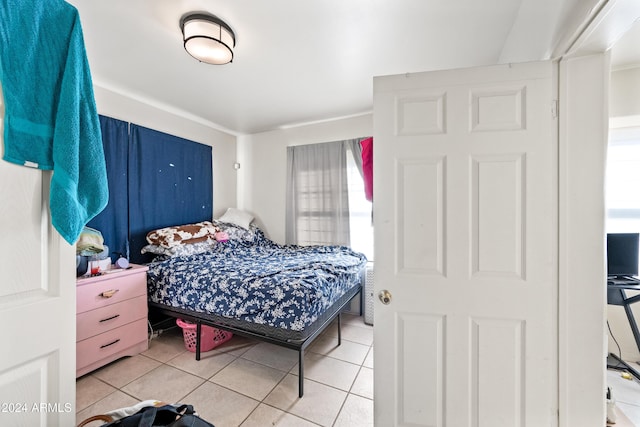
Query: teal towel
pixel 51 121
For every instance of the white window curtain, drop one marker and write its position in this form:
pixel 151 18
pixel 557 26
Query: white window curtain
pixel 317 211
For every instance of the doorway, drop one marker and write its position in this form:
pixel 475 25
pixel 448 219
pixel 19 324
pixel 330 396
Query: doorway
pixel 623 205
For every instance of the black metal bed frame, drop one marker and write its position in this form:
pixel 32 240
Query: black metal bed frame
pixel 317 328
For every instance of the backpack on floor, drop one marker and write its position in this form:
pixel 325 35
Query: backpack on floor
pixel 165 416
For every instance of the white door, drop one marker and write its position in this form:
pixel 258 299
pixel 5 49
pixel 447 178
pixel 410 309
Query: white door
pixel 37 304
pixel 466 232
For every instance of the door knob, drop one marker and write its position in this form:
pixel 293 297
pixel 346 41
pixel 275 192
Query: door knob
pixel 385 296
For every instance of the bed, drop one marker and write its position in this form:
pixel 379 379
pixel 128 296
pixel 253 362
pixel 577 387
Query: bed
pixel 242 282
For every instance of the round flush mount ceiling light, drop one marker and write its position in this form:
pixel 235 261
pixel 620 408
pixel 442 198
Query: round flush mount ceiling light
pixel 207 38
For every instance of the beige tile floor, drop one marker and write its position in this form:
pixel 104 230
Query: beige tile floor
pixel 252 384
pixel 244 382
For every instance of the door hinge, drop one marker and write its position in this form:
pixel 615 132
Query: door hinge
pixel 554 108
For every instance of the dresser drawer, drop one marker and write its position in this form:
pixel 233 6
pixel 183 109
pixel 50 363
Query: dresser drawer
pixel 94 322
pixel 109 343
pixel 106 292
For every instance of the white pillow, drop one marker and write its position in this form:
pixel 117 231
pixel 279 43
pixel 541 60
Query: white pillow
pixel 236 216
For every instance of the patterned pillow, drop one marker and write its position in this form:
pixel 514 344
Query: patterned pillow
pixel 180 250
pixel 169 237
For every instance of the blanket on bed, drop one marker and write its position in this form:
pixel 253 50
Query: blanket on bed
pixel 262 282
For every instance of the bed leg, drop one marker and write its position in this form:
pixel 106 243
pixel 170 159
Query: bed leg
pixel 198 331
pixel 339 328
pixel 300 372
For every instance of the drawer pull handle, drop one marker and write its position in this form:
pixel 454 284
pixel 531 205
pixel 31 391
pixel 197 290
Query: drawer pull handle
pixel 111 343
pixel 110 318
pixel 109 293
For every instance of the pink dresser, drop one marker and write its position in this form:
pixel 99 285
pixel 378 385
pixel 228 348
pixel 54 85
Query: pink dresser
pixel 111 320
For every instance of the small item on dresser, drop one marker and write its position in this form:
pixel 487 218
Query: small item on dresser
pixel 95 265
pixel 82 264
pixel 89 242
pixel 122 262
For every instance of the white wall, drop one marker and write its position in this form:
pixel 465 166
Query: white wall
pixel 624 110
pixel 583 91
pixel 625 93
pixel 120 107
pixel 263 164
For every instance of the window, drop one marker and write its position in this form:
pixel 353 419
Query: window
pixel 315 222
pixel 622 193
pixel 622 184
pixel 360 211
pixel 317 199
pixel 326 203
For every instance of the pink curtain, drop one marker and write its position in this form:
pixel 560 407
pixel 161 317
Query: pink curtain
pixel 367 167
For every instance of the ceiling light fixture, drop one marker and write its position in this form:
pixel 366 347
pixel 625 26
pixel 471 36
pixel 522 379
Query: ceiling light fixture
pixel 207 38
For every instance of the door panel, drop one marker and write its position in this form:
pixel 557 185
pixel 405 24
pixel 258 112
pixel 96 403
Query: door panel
pixel 497 234
pixel 497 347
pixel 37 304
pixel 466 242
pixel 421 364
pixel 21 191
pixel 420 251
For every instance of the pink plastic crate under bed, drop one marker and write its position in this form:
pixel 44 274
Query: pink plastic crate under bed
pixel 210 337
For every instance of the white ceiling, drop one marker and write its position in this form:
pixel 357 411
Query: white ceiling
pixel 304 61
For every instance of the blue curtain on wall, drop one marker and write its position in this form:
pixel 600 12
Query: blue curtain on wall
pixel 170 182
pixel 113 221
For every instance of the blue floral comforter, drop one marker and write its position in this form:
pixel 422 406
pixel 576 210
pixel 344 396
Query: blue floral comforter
pixel 286 287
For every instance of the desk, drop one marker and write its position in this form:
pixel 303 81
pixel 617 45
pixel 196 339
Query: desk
pixel 616 295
